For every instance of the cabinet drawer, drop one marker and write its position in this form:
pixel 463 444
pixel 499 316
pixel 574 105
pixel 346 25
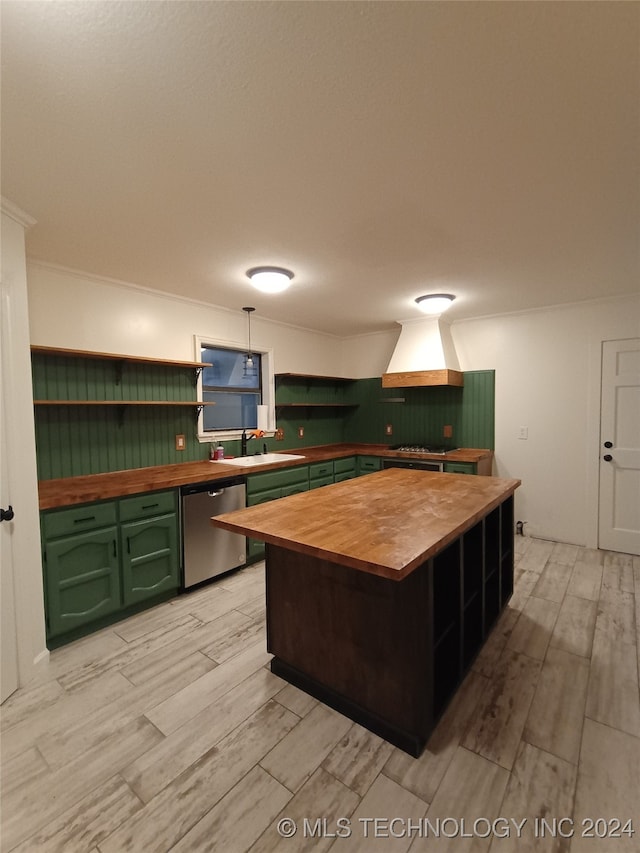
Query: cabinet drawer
pixel 147 505
pixel 460 468
pixel 320 469
pixel 275 479
pixel 345 475
pixel 321 481
pixel 366 464
pixel 78 519
pixel 295 489
pixel 263 497
pixel 343 466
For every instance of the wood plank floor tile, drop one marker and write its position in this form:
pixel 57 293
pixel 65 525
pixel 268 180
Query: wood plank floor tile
pixel 66 711
pixel 575 625
pixel 495 643
pixel 239 818
pixel 154 770
pixel 553 581
pixel 255 608
pixel 296 700
pixel 540 785
pixel 182 706
pixel 533 629
pixel 358 758
pixel 586 579
pixel 497 727
pixel 24 702
pixel 87 822
pixel 31 807
pixel 132 651
pixel 233 642
pixel 557 711
pixel 472 788
pixel 608 786
pixel 320 802
pixel 564 553
pixel 162 822
pixel 616 618
pixel 422 775
pixel 384 801
pixel 21 769
pixel 72 740
pixel 612 697
pixel 301 752
pixel 535 557
pixel 618 571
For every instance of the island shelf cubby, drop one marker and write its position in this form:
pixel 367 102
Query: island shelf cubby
pixel 420 635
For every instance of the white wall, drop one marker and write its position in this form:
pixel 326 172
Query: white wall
pixel 547 367
pixel 78 311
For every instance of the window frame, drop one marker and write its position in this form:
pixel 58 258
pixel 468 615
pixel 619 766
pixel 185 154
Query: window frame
pixel 268 387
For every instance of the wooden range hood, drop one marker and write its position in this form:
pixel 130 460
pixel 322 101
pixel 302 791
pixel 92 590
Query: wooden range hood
pixel 424 356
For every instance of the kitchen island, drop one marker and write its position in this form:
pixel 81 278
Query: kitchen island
pixel 382 590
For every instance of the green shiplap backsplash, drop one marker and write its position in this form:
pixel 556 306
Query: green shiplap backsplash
pixel 76 440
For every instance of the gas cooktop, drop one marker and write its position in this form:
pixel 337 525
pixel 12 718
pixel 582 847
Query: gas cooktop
pixel 422 448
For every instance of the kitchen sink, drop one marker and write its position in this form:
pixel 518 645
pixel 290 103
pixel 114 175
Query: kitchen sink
pixel 261 459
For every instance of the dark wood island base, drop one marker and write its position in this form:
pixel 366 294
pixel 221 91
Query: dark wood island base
pixel 382 590
pixel 389 654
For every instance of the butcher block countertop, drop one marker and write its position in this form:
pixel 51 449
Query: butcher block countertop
pixel 67 491
pixel 387 523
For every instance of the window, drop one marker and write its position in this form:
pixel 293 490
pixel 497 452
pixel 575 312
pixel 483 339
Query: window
pixel 234 385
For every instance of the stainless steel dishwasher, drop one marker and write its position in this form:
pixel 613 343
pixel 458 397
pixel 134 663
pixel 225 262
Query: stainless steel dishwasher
pixel 209 551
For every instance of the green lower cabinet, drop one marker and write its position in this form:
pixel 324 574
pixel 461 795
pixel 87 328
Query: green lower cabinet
pixel 102 560
pixel 82 579
pixel 270 486
pixel 149 564
pixel 368 464
pixel 460 468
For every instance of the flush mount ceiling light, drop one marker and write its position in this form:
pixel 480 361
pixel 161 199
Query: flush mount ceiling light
pixel 270 279
pixel 435 303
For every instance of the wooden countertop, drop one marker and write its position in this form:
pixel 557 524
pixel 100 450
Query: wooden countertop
pixel 386 523
pixel 66 491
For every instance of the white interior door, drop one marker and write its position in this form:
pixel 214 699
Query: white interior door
pixel 619 527
pixel 8 637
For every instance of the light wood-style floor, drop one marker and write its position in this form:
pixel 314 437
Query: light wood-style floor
pixel 167 731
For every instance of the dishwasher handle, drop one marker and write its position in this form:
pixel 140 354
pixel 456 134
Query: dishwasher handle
pixel 216 494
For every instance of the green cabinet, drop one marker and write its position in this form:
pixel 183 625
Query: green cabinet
pixel 269 486
pixel 100 559
pixel 82 579
pixel 460 468
pixel 345 469
pixel 368 464
pixel 320 474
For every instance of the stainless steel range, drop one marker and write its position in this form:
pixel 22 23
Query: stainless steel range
pixel 423 464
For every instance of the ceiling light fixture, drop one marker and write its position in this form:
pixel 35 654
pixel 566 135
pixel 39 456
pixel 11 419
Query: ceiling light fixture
pixel 270 279
pixel 435 303
pixel 249 364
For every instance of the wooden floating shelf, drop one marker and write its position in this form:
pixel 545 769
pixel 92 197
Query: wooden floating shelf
pixel 316 405
pixel 313 376
pixel 121 403
pixel 110 356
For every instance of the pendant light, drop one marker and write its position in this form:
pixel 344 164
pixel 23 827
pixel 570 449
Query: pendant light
pixel 249 361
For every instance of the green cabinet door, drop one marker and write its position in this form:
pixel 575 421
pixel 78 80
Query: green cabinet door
pixel 150 558
pixel 82 579
pixel 368 464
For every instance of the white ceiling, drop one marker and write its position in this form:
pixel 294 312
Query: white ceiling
pixel 379 150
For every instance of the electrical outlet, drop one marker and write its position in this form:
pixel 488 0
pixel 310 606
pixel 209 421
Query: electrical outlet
pixel 279 434
pixel 447 431
pixel 300 432
pixel 180 442
pixel 388 430
pixel 523 433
